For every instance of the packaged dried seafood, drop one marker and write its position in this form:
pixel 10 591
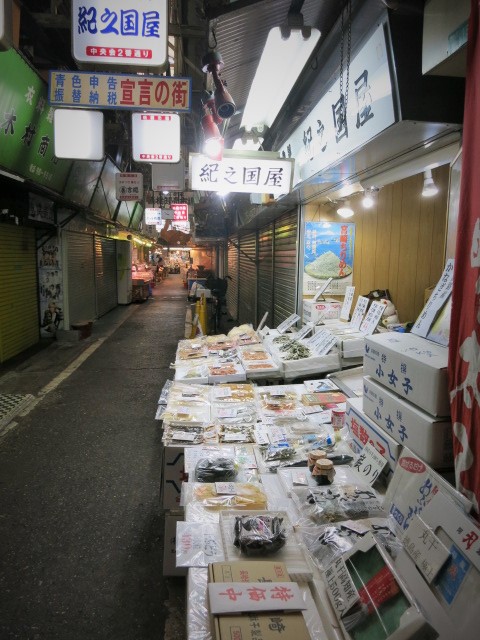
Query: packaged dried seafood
pixel 216 469
pixel 338 502
pixel 233 392
pixel 259 535
pixel 230 495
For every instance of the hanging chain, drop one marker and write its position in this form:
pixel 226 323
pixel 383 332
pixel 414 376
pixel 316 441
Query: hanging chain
pixel 349 48
pixel 341 53
pixel 344 96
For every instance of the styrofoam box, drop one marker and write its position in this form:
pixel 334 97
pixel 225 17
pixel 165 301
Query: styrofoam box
pixel 429 437
pixel 362 430
pixel 169 549
pixel 412 367
pixel 328 309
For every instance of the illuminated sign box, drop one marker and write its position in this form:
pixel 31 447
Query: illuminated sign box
pixel 156 137
pixel 123 33
pixel 257 173
pixel 153 216
pixel 101 90
pixel 78 134
pixel 180 211
pixel 168 177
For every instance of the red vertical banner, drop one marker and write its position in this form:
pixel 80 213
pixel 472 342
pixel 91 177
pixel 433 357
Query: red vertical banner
pixel 464 349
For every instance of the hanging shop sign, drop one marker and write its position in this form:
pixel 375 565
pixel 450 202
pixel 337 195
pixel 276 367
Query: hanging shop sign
pixel 133 34
pixel 40 209
pixel 180 211
pixel 168 214
pixel 168 177
pixel 5 24
pixel 96 90
pixel 156 137
pixel 325 137
pixel 153 216
pixel 241 175
pixel 26 125
pixel 129 186
pixel 329 249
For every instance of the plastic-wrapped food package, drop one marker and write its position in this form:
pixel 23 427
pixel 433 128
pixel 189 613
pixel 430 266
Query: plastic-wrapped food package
pixel 216 469
pixel 229 495
pixel 182 434
pixel 279 402
pixel 185 393
pixel 275 456
pixel 197 373
pixel 259 535
pixel 165 392
pixel 198 544
pixel 327 542
pixel 187 413
pixel 233 392
pixel 337 502
pixel 191 349
pixel 198 617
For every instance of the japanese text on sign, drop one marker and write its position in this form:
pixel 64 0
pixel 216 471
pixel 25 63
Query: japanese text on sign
pixel 254 596
pixel 119 91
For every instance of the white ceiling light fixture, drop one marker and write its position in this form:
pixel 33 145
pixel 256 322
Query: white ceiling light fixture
pixel 286 53
pixel 345 210
pixel 429 187
pixel 370 197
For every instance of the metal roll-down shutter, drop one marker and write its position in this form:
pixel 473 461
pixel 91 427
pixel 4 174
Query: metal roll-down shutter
pixel 105 275
pixel 232 270
pixel 247 279
pixel 285 266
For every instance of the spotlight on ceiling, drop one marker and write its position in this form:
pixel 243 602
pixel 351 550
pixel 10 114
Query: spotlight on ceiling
pixel 429 187
pixel 345 210
pixel 370 197
pixel 212 63
pixel 213 141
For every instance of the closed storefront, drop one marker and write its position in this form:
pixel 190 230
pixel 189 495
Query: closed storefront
pixel 105 275
pixel 18 291
pixel 247 281
pixel 232 271
pixel 265 273
pixel 285 266
pixel 80 277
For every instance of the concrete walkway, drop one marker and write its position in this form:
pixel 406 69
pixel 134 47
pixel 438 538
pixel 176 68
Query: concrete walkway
pixel 81 527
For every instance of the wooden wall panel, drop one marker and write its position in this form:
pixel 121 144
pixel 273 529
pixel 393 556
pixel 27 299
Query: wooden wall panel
pixel 400 243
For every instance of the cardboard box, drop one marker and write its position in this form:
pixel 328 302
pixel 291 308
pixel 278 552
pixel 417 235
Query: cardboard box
pixel 259 625
pixel 362 430
pixel 427 436
pixel 172 477
pixel 169 549
pixel 328 309
pixel 412 367
pixel 412 487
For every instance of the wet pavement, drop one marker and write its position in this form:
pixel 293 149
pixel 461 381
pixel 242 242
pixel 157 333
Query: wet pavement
pixel 81 525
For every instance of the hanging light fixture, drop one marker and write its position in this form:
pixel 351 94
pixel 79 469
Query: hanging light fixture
pixel 213 141
pixel 369 197
pixel 345 210
pixel 212 62
pixel 285 54
pixel 429 187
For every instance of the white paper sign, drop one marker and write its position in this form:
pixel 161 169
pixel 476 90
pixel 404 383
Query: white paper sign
pixel 198 544
pixel 289 322
pixel 323 287
pixel 436 301
pixel 222 392
pixel 301 333
pixel 262 322
pixel 243 597
pixel 341 590
pixel 369 464
pixel 347 303
pixel 184 436
pixel 225 488
pixel 372 318
pixel 125 34
pixel 425 548
pixel 359 312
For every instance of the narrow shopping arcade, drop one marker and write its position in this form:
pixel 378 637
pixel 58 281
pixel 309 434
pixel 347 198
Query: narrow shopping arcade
pixel 81 523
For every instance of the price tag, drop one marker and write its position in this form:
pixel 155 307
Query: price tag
pixel 369 464
pixel 262 321
pixel 301 333
pixel 198 544
pixel 227 412
pixel 347 303
pixel 183 435
pixel 372 318
pixel 234 437
pixel 436 301
pixel 321 289
pixel 289 322
pixel 261 434
pixel 359 312
pixel 425 548
pixel 299 478
pixel 341 590
pixel 225 488
pixel 327 345
pixel 222 392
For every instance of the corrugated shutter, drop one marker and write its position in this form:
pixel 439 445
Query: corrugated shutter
pixel 105 275
pixel 81 277
pixel 285 266
pixel 265 274
pixel 232 271
pixel 247 281
pixel 19 322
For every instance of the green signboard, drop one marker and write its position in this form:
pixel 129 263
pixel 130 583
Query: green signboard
pixel 26 125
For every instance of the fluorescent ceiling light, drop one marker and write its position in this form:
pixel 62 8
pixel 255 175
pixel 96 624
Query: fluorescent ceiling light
pixel 78 134
pixel 281 64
